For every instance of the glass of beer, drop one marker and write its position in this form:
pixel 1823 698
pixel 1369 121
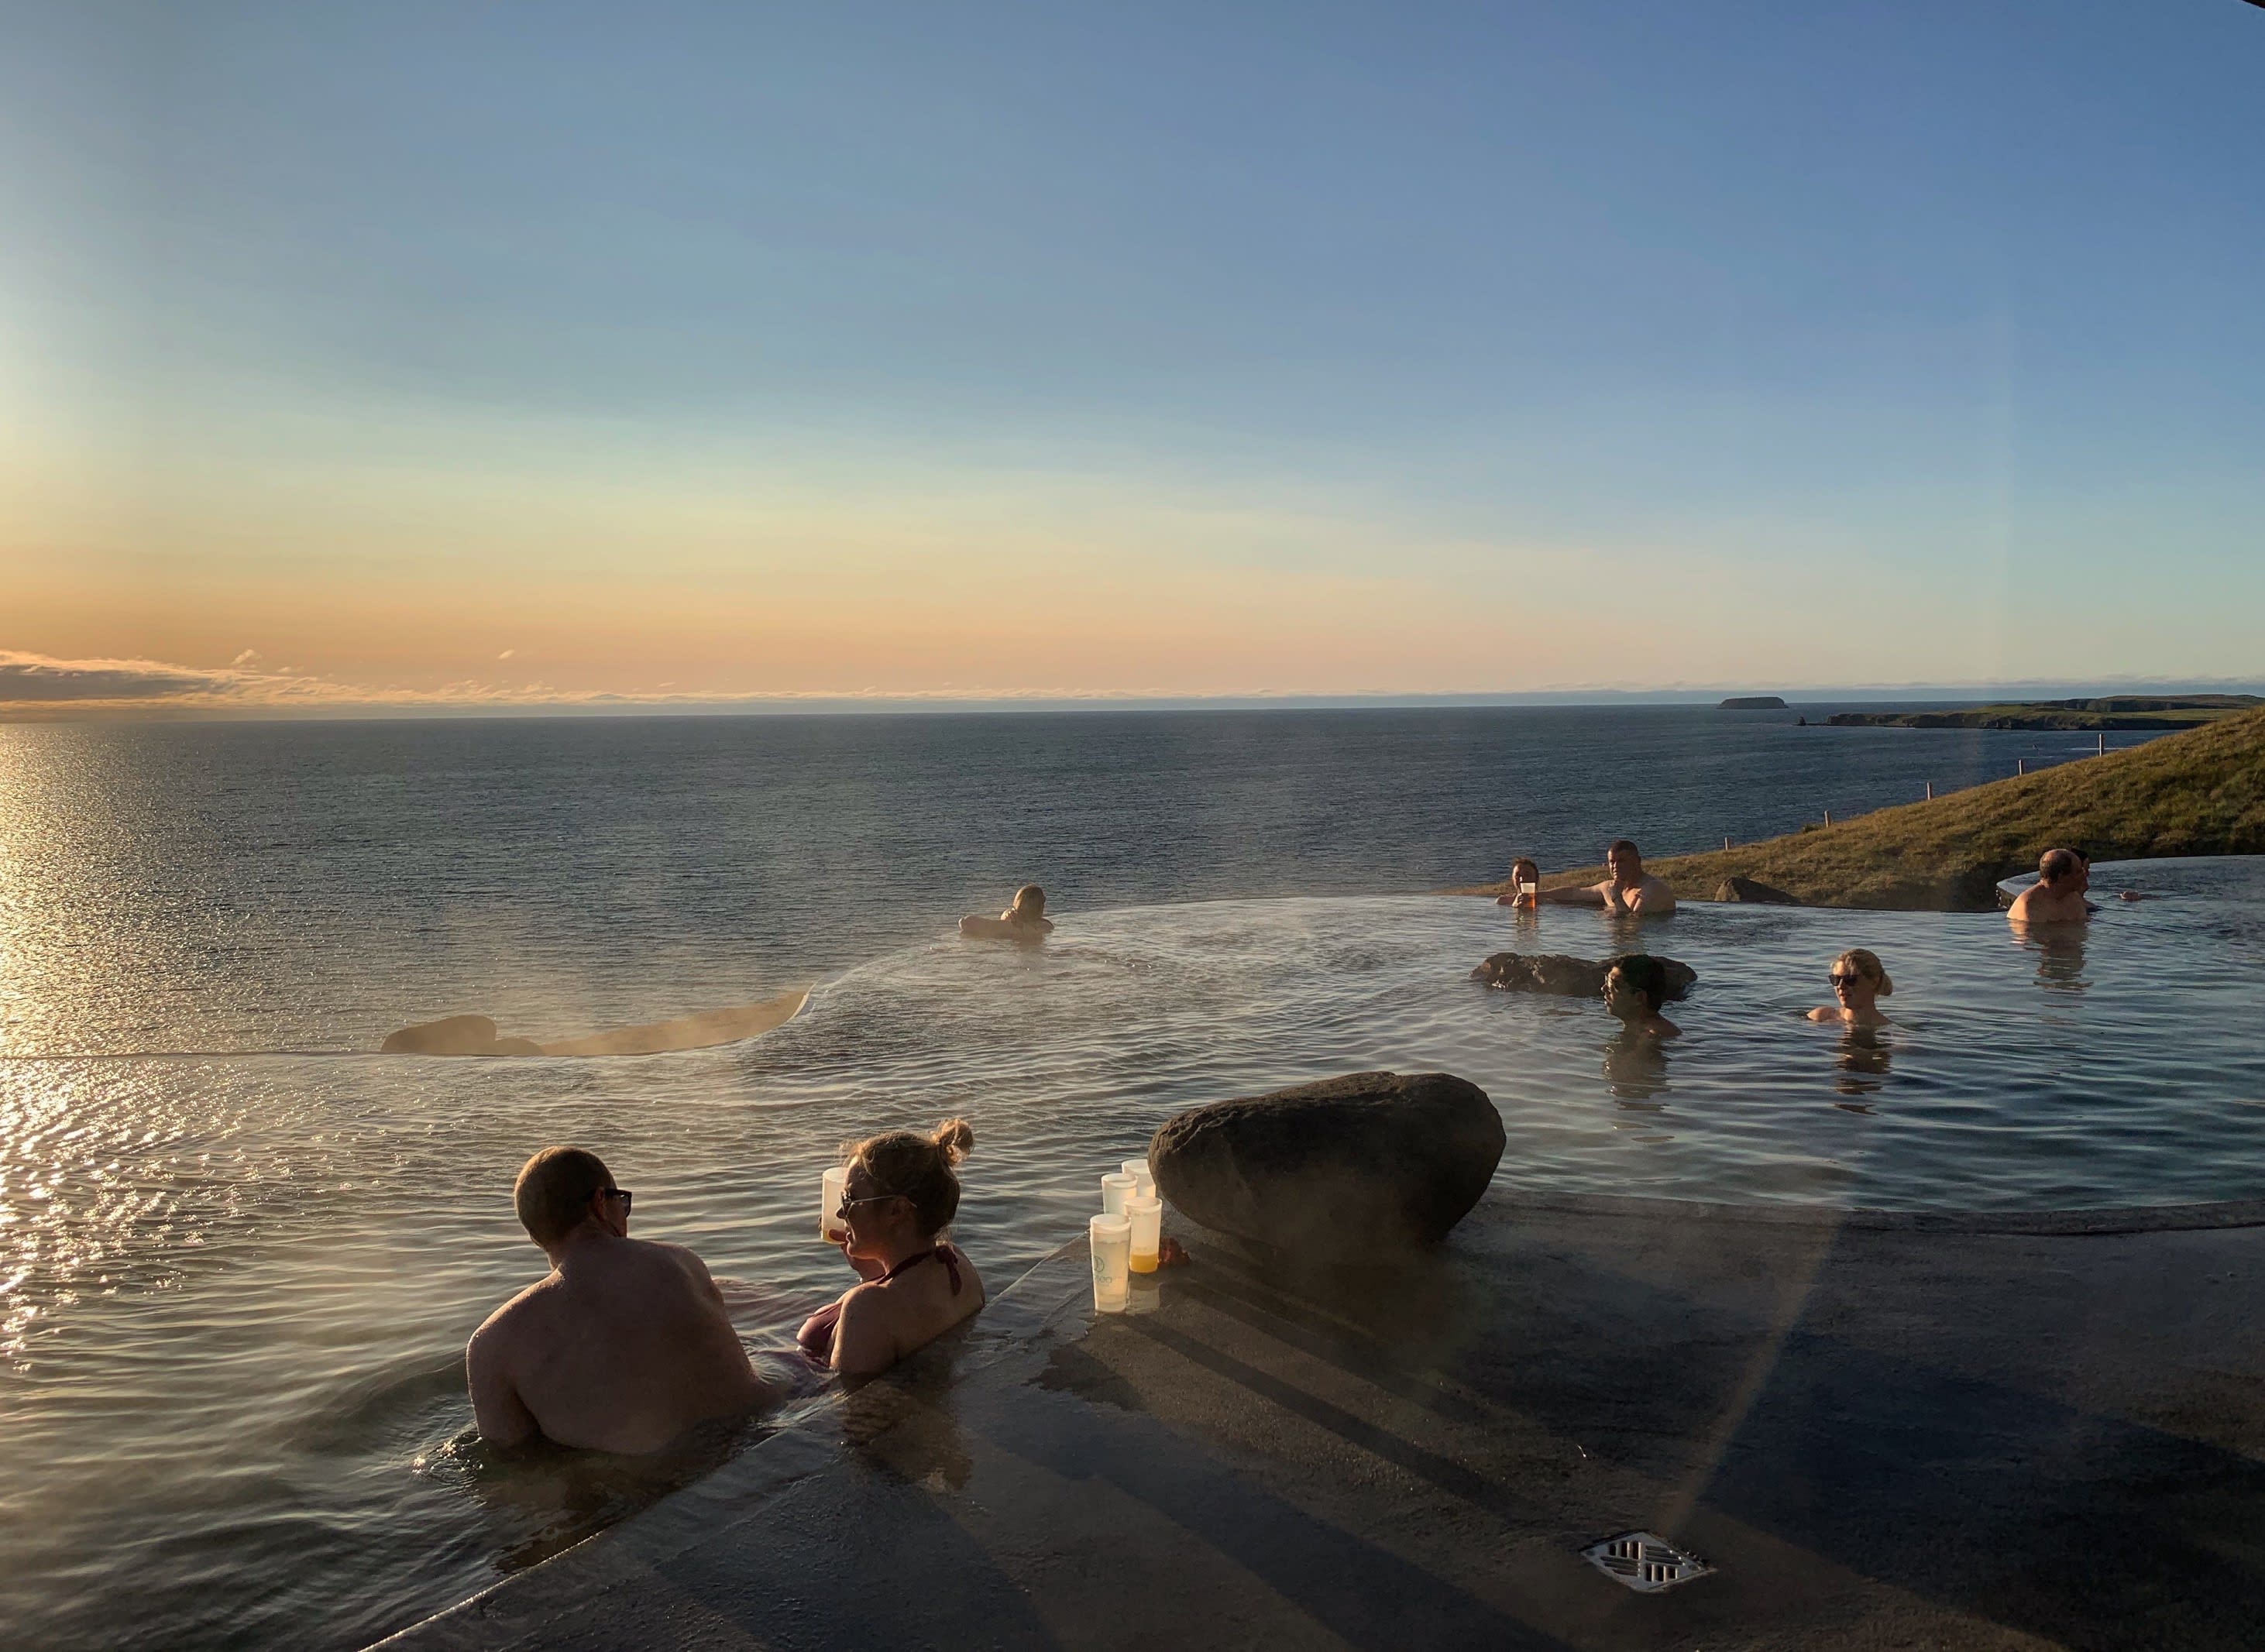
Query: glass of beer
pixel 830 1194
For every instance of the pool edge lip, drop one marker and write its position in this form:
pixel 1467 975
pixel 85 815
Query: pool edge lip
pixel 2135 1219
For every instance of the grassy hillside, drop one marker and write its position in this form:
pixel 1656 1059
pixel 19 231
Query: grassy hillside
pixel 2201 792
pixel 2119 712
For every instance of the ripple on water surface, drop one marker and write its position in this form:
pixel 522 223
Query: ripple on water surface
pixel 238 1286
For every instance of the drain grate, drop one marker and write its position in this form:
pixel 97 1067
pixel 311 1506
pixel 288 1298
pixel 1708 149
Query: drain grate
pixel 1644 1562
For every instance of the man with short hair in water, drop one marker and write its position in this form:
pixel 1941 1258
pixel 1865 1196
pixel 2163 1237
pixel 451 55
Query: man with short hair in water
pixel 624 1346
pixel 2057 896
pixel 1627 889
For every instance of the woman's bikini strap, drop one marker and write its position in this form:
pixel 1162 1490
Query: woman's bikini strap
pixel 942 1253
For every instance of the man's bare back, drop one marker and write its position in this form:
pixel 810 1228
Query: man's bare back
pixel 624 1346
pixel 2057 896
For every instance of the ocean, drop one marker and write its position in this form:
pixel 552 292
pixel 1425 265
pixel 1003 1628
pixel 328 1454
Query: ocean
pixel 239 1252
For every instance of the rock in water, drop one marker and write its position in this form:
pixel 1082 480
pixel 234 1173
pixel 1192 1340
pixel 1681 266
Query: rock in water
pixel 1563 976
pixel 1734 888
pixel 455 1035
pixel 1355 1169
pixel 1551 972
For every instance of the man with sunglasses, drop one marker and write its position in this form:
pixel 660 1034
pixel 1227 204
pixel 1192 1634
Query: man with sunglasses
pixel 623 1346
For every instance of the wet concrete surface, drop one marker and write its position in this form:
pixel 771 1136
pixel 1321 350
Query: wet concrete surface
pixel 1880 1437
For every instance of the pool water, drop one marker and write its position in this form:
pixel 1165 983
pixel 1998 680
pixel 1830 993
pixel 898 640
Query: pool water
pixel 232 1395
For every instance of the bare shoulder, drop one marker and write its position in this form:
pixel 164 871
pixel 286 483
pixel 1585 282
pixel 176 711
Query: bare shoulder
pixel 679 1259
pixel 502 1328
pixel 864 1338
pixel 1824 1014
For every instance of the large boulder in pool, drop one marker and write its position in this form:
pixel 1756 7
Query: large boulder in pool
pixel 455 1035
pixel 1748 889
pixel 1562 977
pixel 1358 1169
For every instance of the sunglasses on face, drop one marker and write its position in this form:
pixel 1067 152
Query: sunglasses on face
pixel 623 1194
pixel 847 1204
pixel 1838 980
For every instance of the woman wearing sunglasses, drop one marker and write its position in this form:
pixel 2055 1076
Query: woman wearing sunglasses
pixel 899 1196
pixel 1858 982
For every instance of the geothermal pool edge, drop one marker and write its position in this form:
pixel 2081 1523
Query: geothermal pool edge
pixel 1875 1434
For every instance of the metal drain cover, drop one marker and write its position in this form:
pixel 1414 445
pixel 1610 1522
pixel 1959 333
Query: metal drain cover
pixel 1644 1562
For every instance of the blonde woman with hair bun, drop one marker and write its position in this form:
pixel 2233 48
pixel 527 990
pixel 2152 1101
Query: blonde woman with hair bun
pixel 898 1195
pixel 1859 980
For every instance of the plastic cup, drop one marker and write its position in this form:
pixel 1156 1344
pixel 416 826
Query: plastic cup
pixel 1138 1169
pixel 1147 1219
pixel 829 1201
pixel 1110 1238
pixel 1116 1188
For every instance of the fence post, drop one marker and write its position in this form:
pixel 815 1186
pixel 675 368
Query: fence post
pixel 1930 791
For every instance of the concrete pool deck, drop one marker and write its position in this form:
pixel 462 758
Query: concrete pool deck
pixel 1937 1431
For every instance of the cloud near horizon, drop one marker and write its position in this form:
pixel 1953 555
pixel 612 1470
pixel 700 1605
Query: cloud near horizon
pixel 38 684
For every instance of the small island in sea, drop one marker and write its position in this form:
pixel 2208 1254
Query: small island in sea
pixel 2153 713
pixel 1752 702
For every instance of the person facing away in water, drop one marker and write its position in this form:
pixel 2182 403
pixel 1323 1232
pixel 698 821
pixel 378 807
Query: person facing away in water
pixel 623 1346
pixel 2057 896
pixel 1635 989
pixel 1025 920
pixel 898 1196
pixel 1627 887
pixel 1859 980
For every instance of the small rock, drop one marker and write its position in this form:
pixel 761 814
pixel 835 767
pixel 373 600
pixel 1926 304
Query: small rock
pixel 1562 977
pixel 1360 1169
pixel 1736 888
pixel 454 1035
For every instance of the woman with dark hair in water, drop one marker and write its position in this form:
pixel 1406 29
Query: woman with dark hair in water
pixel 1635 989
pixel 899 1196
pixel 1525 884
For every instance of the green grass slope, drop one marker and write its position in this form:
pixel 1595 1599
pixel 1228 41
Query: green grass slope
pixel 2201 792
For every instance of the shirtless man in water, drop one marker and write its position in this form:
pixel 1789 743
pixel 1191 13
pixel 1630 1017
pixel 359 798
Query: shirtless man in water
pixel 2057 896
pixel 624 1346
pixel 1627 887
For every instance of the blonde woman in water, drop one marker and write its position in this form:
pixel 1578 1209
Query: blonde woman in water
pixel 899 1196
pixel 1859 980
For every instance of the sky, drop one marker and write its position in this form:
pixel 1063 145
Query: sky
pixel 553 355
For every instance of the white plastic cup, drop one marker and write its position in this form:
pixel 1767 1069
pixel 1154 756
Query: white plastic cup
pixel 831 1190
pixel 1138 1169
pixel 1116 1188
pixel 1110 1238
pixel 1147 1219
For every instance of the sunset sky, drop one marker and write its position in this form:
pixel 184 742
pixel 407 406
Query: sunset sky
pixel 457 355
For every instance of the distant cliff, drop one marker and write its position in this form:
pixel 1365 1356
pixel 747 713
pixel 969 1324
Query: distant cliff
pixel 2149 712
pixel 2201 792
pixel 1752 702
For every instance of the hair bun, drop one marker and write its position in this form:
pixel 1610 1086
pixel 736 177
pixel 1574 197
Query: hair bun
pixel 955 1137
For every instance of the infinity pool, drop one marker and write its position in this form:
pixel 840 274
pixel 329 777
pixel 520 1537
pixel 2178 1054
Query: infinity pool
pixel 233 1410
